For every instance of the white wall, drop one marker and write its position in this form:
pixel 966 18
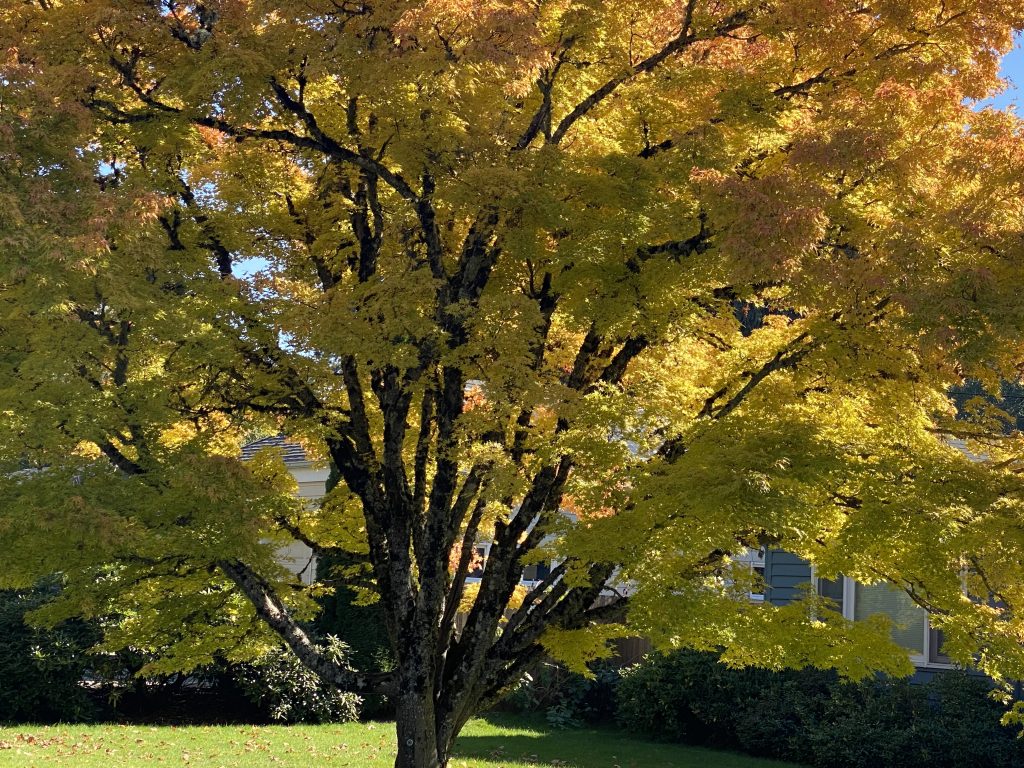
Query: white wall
pixel 297 557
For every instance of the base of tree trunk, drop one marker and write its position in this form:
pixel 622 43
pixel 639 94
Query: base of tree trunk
pixel 417 735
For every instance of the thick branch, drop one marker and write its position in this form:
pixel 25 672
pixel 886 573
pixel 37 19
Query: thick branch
pixel 541 121
pixel 478 257
pixel 295 531
pixel 616 369
pixel 676 249
pixel 275 615
pixel 431 233
pixel 221 254
pixel 119 460
pixel 458 585
pixel 534 600
pixel 590 348
pixel 422 455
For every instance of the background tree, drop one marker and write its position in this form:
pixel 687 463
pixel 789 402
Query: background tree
pixel 701 270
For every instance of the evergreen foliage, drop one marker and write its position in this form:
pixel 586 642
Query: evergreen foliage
pixel 286 691
pixel 814 718
pixel 42 670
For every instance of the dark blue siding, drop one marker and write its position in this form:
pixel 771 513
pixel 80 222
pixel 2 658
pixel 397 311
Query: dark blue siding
pixel 786 576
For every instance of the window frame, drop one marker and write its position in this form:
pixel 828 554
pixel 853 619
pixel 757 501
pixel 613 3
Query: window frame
pixel 920 660
pixel 753 559
pixel 475 577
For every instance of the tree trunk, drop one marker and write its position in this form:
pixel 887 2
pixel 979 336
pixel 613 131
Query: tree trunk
pixel 417 733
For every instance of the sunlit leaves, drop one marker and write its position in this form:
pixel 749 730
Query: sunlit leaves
pixel 723 261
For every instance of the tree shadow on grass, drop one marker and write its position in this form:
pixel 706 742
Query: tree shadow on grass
pixel 532 741
pixel 541 750
pixel 533 744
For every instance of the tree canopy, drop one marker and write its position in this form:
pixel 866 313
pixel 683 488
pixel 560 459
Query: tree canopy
pixel 700 272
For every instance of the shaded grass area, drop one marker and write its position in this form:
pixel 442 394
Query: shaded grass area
pixel 499 742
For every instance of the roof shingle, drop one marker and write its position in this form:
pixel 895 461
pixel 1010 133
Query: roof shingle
pixel 291 453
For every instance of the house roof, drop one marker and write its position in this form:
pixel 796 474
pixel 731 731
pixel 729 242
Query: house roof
pixel 291 453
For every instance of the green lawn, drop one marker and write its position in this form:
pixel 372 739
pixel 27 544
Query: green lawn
pixel 504 743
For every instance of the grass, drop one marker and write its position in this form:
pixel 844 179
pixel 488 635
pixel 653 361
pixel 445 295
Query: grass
pixel 495 743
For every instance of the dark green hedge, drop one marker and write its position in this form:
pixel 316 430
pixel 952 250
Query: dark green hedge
pixel 811 717
pixel 41 669
pixel 48 675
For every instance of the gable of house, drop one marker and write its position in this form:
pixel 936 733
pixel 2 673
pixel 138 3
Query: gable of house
pixel 311 478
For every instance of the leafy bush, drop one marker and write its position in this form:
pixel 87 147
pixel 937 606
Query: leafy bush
pixel 41 669
pixel 679 697
pixel 48 675
pixel 567 699
pixel 871 724
pixel 812 717
pixel 965 728
pixel 948 723
pixel 779 708
pixel 363 629
pixel 286 691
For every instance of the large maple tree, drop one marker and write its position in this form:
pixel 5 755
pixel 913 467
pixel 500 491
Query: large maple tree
pixel 702 272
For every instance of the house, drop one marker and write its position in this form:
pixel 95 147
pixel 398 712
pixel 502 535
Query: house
pixel 311 478
pixel 787 576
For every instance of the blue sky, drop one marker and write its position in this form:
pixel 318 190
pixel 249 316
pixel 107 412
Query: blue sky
pixel 1013 70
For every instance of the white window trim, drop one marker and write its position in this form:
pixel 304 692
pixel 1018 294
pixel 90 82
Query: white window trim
pixel 486 546
pixel 919 660
pixel 754 559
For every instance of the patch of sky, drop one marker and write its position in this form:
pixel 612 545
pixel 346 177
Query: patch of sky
pixel 207 194
pixel 1013 70
pixel 110 169
pixel 245 268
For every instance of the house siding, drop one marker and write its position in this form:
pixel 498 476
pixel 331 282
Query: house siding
pixel 786 576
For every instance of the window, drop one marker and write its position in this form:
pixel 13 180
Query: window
pixel 479 561
pixel 833 590
pixel 752 559
pixel 936 639
pixel 911 628
pixel 536 572
pixel 531 573
pixel 909 620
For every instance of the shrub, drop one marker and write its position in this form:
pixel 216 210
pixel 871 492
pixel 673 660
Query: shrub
pixel 48 675
pixel 286 691
pixel 812 717
pixel 684 696
pixel 567 699
pixel 773 718
pixel 965 729
pixel 363 629
pixel 871 724
pixel 41 669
